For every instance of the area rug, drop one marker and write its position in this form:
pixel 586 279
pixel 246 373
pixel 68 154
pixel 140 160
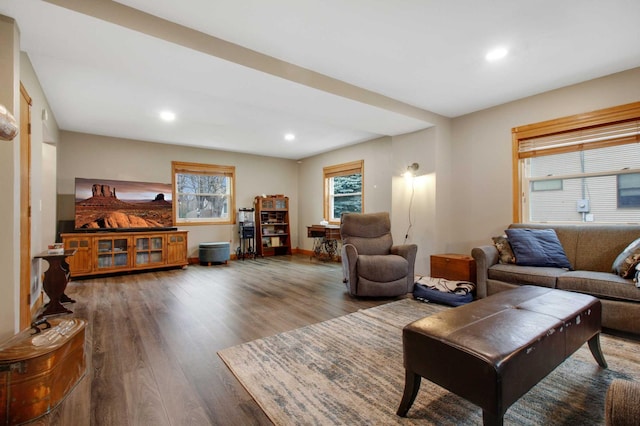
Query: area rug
pixel 348 371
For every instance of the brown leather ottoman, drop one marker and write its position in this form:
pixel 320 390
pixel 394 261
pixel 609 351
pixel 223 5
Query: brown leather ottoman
pixel 492 351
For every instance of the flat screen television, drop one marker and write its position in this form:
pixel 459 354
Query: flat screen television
pixel 105 204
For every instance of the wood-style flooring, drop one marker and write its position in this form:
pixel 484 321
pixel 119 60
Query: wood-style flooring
pixel 152 338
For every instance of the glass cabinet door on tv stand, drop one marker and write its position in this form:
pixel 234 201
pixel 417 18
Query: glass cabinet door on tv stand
pixel 113 253
pixel 149 250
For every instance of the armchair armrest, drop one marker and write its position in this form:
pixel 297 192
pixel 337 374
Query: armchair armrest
pixel 408 251
pixel 349 263
pixel 621 403
pixel 485 257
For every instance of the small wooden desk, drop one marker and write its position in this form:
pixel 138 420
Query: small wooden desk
pixel 325 244
pixel 55 282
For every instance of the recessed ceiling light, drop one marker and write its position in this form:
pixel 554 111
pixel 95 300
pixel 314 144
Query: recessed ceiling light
pixel 289 137
pixel 167 116
pixel 496 54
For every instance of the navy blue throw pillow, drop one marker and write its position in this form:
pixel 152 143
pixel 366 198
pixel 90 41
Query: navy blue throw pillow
pixel 537 247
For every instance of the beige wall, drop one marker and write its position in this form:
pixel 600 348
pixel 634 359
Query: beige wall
pixel 413 205
pixel 15 69
pixel 44 136
pixel 465 197
pixel 481 144
pixel 378 166
pixel 9 181
pixel 91 156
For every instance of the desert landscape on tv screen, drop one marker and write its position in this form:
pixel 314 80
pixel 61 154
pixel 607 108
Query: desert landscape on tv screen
pixel 112 204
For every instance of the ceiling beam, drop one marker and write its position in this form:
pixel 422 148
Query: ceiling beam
pixel 134 19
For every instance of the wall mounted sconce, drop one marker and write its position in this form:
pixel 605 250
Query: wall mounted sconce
pixel 412 169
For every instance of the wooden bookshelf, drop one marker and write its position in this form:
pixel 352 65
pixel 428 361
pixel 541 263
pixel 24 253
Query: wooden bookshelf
pixel 272 234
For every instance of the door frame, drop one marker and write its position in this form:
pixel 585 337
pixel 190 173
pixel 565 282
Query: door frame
pixel 26 310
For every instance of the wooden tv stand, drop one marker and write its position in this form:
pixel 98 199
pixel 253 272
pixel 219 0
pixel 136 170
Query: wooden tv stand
pixel 110 252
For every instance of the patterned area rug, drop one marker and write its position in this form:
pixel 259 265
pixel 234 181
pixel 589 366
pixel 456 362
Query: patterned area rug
pixel 349 371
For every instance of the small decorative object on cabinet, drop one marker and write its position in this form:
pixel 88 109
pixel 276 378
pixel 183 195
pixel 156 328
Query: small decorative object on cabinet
pixel 272 236
pixel 458 267
pixel 102 253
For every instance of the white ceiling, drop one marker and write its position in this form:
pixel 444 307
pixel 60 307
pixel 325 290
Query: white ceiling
pixel 239 74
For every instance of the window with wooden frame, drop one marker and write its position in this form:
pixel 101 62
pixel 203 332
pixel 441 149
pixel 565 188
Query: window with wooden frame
pixel 203 193
pixel 591 160
pixel 343 190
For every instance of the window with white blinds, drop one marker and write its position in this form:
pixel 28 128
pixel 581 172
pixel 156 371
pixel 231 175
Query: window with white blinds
pixel 584 168
pixel 593 138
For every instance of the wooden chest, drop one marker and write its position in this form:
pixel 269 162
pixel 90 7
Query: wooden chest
pixel 37 371
pixel 453 267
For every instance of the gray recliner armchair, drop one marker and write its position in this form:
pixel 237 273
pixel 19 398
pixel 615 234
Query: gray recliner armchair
pixel 372 265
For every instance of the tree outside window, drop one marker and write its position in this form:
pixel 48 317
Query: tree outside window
pixel 343 190
pixel 203 194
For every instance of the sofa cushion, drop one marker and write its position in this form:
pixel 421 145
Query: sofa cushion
pixel 505 253
pixel 382 289
pixel 628 269
pixel 536 275
pixel 627 260
pixel 604 285
pixel 537 247
pixel 382 268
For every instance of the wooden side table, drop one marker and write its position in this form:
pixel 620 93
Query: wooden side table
pixel 55 282
pixel 453 267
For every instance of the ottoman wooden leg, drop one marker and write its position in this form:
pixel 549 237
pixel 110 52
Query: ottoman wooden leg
pixel 489 419
pixel 411 387
pixel 594 346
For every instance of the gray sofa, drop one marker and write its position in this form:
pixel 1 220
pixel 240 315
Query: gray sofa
pixel 591 250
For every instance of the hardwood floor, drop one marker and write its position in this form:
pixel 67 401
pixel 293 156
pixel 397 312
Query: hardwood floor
pixel 152 338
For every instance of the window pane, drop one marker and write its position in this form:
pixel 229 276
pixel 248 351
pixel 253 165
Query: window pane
pixel 347 195
pixel 204 195
pixel 547 185
pixel 203 206
pixel 347 204
pixel 629 190
pixel 561 206
pixel 202 184
pixel 348 184
pixel 612 198
pixel 343 189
